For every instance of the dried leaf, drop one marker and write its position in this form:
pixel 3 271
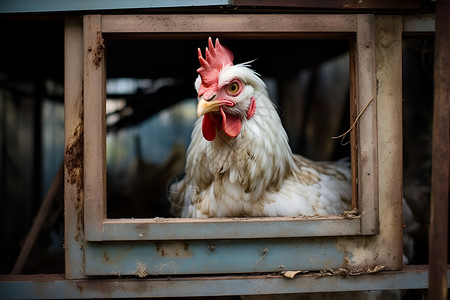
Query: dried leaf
pixel 291 274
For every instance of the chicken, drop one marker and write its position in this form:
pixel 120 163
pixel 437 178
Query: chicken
pixel 239 163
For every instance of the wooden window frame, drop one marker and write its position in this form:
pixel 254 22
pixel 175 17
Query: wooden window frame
pixel 362 89
pixel 359 29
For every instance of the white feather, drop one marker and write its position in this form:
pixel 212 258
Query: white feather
pixel 255 173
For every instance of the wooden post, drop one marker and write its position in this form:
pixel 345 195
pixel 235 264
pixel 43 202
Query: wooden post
pixel 389 112
pixel 367 131
pixel 73 140
pixel 437 286
pixel 95 130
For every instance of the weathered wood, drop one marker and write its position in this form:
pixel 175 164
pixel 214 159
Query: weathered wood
pixel 99 228
pixel 353 115
pixel 95 129
pixel 336 4
pixel 55 287
pixel 73 141
pixel 346 25
pixel 227 228
pixel 236 24
pixel 440 155
pixel 367 125
pixel 39 220
pixel 419 24
pixel 340 6
pixel 214 256
pixel 389 107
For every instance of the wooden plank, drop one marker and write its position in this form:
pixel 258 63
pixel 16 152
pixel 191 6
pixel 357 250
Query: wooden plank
pixel 73 141
pixel 213 256
pixel 56 287
pixel 21 6
pixel 95 128
pixel 223 23
pixel 367 125
pixel 69 6
pixel 226 228
pixel 440 155
pixel 387 4
pixel 416 24
pixel 390 136
pixel 50 197
pixel 336 4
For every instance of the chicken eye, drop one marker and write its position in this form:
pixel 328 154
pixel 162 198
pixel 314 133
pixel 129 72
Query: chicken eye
pixel 233 88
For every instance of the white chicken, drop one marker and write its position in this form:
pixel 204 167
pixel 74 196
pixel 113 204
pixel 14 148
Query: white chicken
pixel 239 163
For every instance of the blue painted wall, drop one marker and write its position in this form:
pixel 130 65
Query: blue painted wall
pixel 26 6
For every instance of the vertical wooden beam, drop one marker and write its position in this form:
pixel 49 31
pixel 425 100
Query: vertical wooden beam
pixel 95 129
pixel 73 140
pixel 390 162
pixel 353 114
pixel 440 155
pixel 367 124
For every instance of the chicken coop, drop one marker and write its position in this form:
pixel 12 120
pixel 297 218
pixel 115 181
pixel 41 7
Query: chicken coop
pixel 97 106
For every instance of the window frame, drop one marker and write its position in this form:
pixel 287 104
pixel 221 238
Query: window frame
pixel 359 29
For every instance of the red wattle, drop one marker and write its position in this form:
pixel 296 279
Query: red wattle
pixel 231 124
pixel 208 128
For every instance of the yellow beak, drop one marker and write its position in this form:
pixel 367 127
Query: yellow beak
pixel 204 107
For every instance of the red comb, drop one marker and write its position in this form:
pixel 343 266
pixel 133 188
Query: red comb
pixel 215 59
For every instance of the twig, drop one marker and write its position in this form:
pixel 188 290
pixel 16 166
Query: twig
pixel 353 125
